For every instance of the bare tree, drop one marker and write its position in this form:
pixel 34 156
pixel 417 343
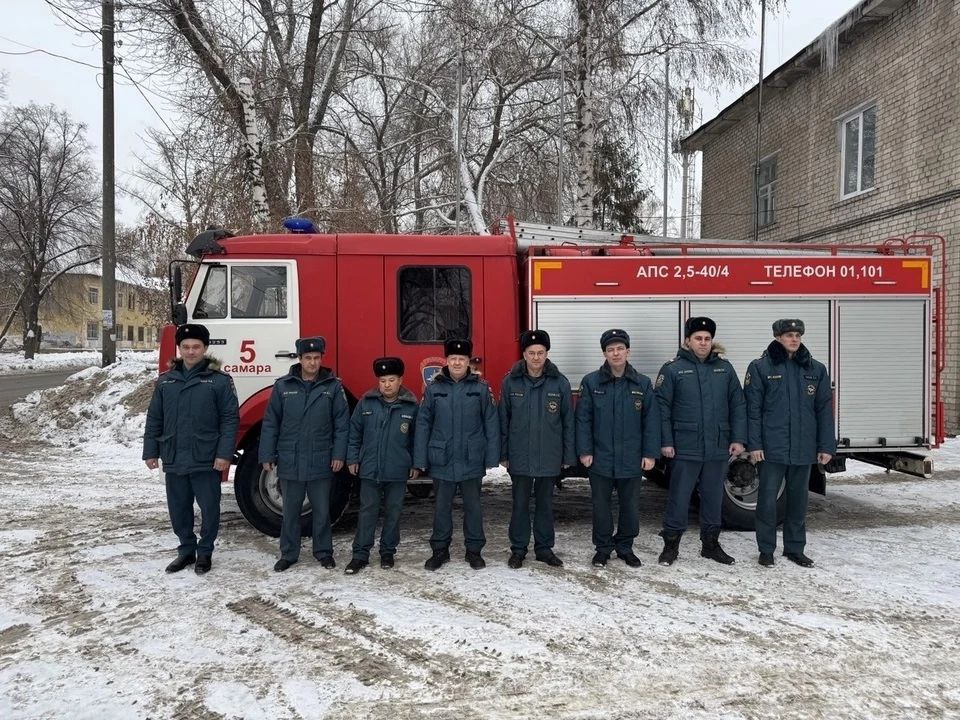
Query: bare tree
pixel 48 207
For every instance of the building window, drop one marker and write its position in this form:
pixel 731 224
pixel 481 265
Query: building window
pixel 857 151
pixel 766 191
pixel 139 334
pixel 93 295
pixel 93 330
pixel 129 333
pixel 131 301
pixel 434 304
pixel 119 300
pixel 150 336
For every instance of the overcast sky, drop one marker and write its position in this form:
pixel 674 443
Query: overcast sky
pixel 31 25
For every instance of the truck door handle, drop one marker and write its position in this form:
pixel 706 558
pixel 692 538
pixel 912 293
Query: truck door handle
pixel 286 354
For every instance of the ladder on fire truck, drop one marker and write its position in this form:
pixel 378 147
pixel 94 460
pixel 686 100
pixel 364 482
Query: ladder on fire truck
pixel 529 233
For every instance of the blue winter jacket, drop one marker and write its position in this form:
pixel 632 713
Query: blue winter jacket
pixel 458 430
pixel 789 407
pixel 618 422
pixel 192 418
pixel 381 436
pixel 536 422
pixel 702 410
pixel 305 426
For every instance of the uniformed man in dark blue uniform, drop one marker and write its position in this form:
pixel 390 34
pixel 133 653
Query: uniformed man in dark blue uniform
pixel 457 439
pixel 703 422
pixel 380 451
pixel 618 437
pixel 789 427
pixel 304 437
pixel 192 428
pixel 536 443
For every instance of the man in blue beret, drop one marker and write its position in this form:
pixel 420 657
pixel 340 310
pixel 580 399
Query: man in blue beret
pixel 192 428
pixel 617 438
pixel 304 438
pixel 789 427
pixel 457 439
pixel 380 451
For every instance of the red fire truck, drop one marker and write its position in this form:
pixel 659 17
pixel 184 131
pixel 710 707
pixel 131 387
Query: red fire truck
pixel 873 316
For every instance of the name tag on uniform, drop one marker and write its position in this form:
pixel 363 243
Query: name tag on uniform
pixel 722 370
pixel 406 417
pixel 290 392
pixel 684 372
pixel 774 377
pixel 599 392
pixel 367 412
pixel 553 394
pixel 516 394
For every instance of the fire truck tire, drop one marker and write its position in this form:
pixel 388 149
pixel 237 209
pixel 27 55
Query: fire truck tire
pixel 740 497
pixel 261 501
pixel 420 490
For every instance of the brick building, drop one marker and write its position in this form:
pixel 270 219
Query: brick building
pixel 860 141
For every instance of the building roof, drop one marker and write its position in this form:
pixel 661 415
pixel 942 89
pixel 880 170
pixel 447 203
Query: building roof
pixel 122 274
pixel 819 52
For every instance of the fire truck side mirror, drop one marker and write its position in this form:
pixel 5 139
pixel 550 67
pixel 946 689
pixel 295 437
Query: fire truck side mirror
pixel 177 285
pixel 179 314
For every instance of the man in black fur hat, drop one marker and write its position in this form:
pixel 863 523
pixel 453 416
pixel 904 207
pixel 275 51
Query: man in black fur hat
pixel 191 428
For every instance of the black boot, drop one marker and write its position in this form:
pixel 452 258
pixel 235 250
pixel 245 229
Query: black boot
pixel 515 561
pixel 600 559
pixel 282 564
pixel 476 562
pixel 800 559
pixel 711 549
pixel 355 566
pixel 386 561
pixel 203 565
pixel 671 547
pixel 181 562
pixel 551 560
pixel 437 560
pixel 629 558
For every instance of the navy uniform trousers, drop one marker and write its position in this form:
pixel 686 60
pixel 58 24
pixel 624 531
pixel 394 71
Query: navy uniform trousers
pixel 294 492
pixel 795 523
pixel 543 534
pixel 685 476
pixel 371 494
pixel 628 522
pixel 473 537
pixel 182 490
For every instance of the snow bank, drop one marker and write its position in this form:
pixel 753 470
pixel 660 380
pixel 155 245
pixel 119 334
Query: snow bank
pixel 13 363
pixel 98 408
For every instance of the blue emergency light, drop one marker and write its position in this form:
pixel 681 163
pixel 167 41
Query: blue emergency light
pixel 299 225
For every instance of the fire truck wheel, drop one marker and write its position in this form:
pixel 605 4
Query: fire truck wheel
pixel 740 496
pixel 420 489
pixel 261 500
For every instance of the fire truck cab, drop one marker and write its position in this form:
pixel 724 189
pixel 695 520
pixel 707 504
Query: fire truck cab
pixel 871 311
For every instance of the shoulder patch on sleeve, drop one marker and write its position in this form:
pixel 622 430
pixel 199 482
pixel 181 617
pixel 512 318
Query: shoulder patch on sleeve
pixel 746 379
pixel 659 380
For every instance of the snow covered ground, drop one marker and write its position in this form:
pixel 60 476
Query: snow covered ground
pixel 91 627
pixel 12 363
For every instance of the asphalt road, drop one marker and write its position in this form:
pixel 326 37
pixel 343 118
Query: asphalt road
pixel 16 387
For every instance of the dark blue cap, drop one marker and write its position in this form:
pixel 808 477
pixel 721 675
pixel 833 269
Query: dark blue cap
pixel 457 347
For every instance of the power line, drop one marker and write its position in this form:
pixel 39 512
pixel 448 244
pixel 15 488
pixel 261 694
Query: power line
pixel 31 50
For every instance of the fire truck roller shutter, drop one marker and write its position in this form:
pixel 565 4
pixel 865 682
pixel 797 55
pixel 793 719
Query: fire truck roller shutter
pixel 883 366
pixel 575 327
pixel 744 330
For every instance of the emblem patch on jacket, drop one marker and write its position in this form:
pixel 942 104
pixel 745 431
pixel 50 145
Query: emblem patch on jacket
pixel 553 406
pixel 404 427
pixel 659 380
pixel 746 380
pixel 811 389
pixel 638 404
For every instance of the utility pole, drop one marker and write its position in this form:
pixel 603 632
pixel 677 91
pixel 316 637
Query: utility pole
pixel 109 254
pixel 756 166
pixel 666 141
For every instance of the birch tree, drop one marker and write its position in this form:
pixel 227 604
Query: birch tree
pixel 49 204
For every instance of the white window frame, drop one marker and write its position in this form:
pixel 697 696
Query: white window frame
pixel 770 192
pixel 93 295
pixel 844 120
